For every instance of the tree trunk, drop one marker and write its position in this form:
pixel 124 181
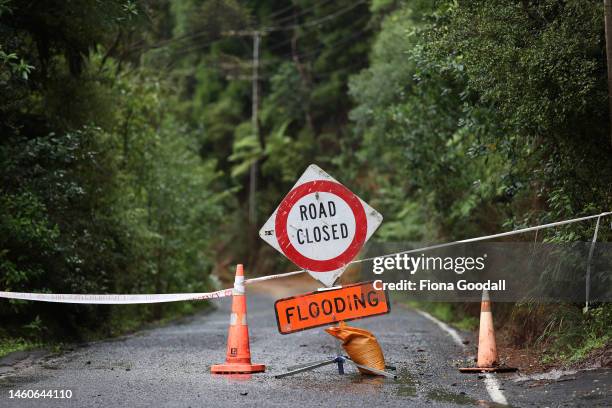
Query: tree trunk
pixel 306 80
pixel 608 30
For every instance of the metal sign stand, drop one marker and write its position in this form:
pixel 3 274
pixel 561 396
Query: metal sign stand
pixel 339 359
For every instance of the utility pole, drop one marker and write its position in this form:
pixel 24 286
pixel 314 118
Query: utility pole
pixel 255 124
pixel 608 31
pixel 253 170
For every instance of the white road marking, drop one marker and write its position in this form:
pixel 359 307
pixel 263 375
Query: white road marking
pixel 491 382
pixel 449 330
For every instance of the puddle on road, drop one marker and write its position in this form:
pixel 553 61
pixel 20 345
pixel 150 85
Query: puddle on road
pixel 360 384
pixel 363 379
pixel 350 383
pixel 406 384
pixel 407 387
pixel 12 381
pixel 442 395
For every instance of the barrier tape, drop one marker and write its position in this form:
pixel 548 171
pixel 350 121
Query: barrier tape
pixel 112 299
pixel 115 299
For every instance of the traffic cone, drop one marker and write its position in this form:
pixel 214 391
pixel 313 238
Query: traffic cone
pixel 487 349
pixel 238 355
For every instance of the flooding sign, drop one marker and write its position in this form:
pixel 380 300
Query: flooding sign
pixel 329 306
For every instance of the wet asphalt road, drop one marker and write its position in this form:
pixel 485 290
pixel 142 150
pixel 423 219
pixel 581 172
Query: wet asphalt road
pixel 170 367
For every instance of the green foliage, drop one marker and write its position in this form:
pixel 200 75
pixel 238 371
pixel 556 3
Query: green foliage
pixel 482 115
pixel 486 108
pixel 126 141
pixel 14 66
pixel 8 346
pixel 103 187
pixel 570 335
pixel 303 72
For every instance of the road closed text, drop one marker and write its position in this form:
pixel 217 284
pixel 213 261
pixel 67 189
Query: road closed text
pixel 323 233
pixel 329 306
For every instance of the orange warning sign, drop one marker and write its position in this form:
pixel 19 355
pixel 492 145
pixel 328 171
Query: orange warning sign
pixel 325 307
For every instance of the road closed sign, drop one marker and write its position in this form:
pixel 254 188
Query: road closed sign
pixel 320 225
pixel 326 307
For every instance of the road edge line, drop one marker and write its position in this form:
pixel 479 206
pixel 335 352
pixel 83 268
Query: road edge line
pixel 445 327
pixel 492 384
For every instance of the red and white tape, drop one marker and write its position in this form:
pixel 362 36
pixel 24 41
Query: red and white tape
pixel 178 297
pixel 114 299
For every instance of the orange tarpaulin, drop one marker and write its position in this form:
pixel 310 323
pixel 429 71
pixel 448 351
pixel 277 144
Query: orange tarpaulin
pixel 360 345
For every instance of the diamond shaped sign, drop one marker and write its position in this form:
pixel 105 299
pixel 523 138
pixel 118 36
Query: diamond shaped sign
pixel 320 225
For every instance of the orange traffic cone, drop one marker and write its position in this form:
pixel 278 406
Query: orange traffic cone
pixel 487 348
pixel 238 355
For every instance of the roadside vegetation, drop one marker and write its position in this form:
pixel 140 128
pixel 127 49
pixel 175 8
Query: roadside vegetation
pixel 482 116
pixel 127 142
pixel 569 335
pixel 555 335
pixel 10 345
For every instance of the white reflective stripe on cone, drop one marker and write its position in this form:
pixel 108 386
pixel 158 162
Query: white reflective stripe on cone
pixel 234 320
pixel 239 285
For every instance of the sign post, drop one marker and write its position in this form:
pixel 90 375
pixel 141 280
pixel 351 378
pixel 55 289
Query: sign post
pixel 320 225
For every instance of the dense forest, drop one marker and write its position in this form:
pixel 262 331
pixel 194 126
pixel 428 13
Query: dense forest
pixel 129 150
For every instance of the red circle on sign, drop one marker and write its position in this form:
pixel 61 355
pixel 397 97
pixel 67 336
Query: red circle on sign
pixel 324 186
